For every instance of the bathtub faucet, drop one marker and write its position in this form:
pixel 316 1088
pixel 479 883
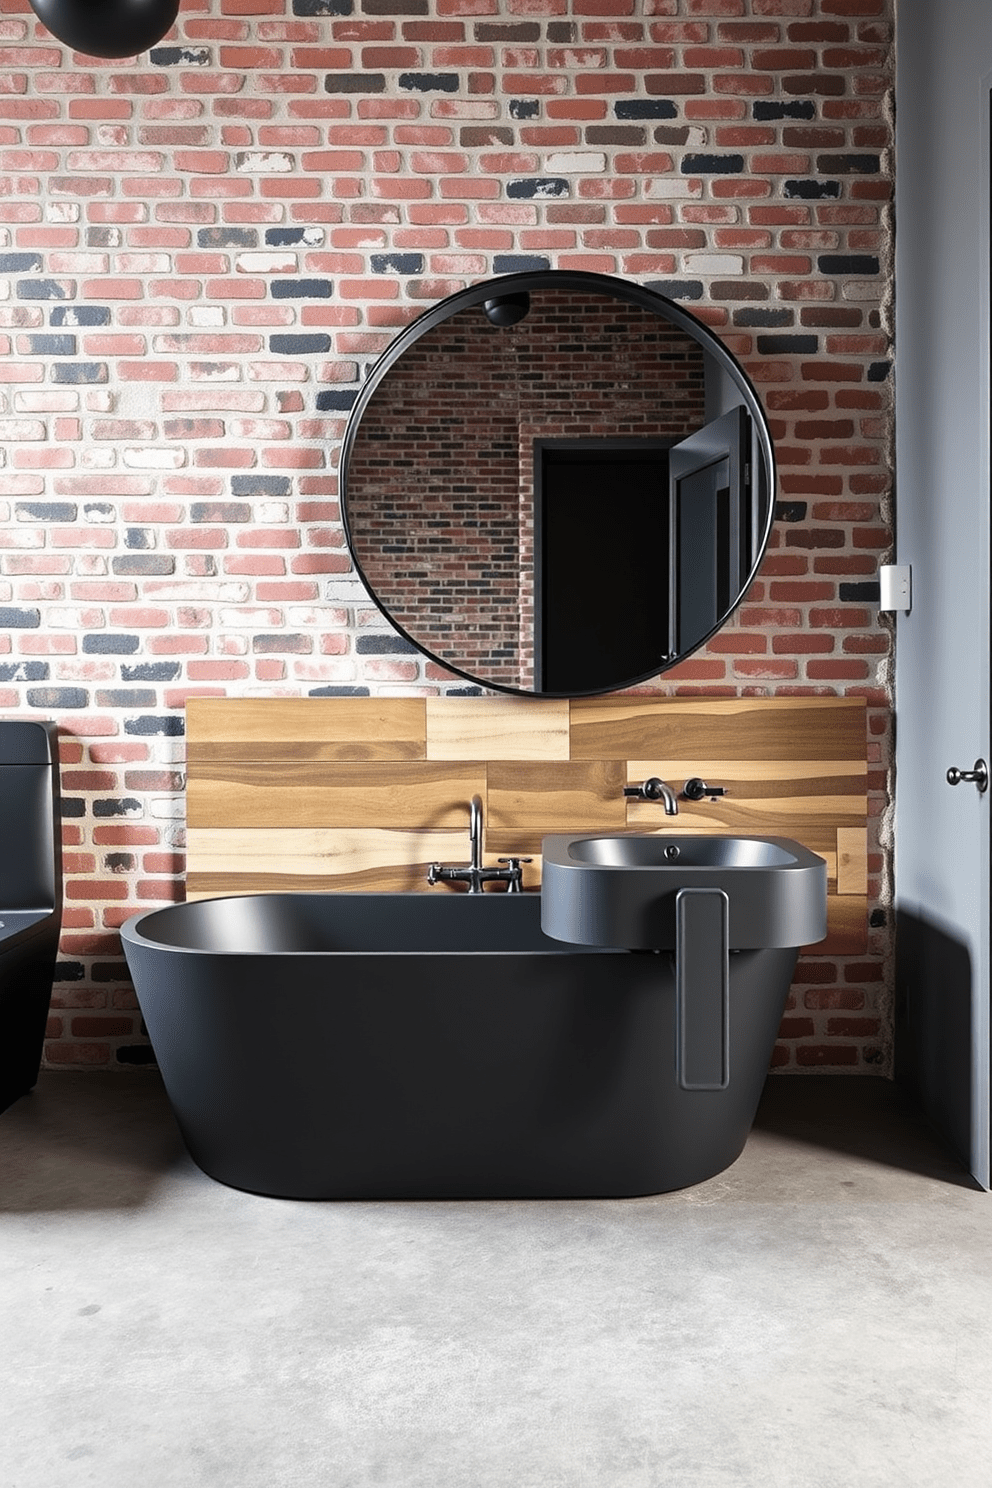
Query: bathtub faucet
pixel 474 874
pixel 654 790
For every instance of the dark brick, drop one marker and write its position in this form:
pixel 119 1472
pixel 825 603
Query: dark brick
pixel 280 642
pixel 464 692
pixel 712 165
pixel 15 619
pixel 678 289
pixel 116 806
pixel 765 109
pixel 46 511
pixel 170 724
pixel 671 134
pixel 355 82
pixel 24 671
pixel 227 237
pixel 519 263
pixel 790 511
pixel 180 57
pixel 138 538
pixel 58 697
pixel 562 32
pixel 109 971
pixel 119 862
pixel 73 806
pixel 111 645
pixel 261 485
pixel 396 7
pixel 524 108
pixel 384 645
pixel 877 919
pixel 429 82
pixel 615 134
pixel 397 263
pixel 338 692
pixel 96 511
pixel 87 372
pixel 508 31
pixel 323 7
pixel 52 345
pixel 299 345
pixel 849 165
pixel 335 402
pixel 144 1053
pixel 145 565
pixel 811 190
pixel 69 971
pixel 293 237
pixel 41 289
pixel 847 263
pixel 126 697
pixel 20 263
pixel 866 593
pixel 788 345
pixel 740 289
pixel 152 671
pixel 752 316
pixel 878 371
pixel 80 315
pixel 219 511
pixel 481 136
pixel 301 289
pixel 645 108
pixel 540 187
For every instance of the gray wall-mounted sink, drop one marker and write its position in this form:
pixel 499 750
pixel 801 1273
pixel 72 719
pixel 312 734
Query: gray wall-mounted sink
pixel 622 890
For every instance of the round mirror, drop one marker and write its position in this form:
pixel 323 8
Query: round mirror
pixel 557 483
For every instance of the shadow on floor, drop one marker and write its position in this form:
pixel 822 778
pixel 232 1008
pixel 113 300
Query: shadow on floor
pixel 83 1141
pixel 860 1116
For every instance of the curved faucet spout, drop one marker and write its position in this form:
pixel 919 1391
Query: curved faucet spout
pixel 475 831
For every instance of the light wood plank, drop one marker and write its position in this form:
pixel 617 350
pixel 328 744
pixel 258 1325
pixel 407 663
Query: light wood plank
pixel 505 728
pixel 852 860
pixel 333 793
pixel 228 729
pixel 776 816
pixel 708 728
pixel 584 796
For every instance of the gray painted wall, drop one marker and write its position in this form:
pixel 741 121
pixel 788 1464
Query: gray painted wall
pixel 944 76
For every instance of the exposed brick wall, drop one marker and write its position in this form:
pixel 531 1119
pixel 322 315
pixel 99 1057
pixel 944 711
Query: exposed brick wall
pixel 202 249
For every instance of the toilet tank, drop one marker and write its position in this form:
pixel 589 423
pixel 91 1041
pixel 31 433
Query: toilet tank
pixel 30 846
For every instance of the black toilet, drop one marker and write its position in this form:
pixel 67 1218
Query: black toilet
pixel 30 897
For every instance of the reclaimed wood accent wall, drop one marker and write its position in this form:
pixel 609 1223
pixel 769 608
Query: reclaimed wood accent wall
pixel 339 794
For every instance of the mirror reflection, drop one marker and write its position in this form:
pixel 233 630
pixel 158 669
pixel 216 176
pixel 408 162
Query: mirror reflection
pixel 557 483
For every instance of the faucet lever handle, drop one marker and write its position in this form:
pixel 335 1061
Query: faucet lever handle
pixel 695 789
pixel 514 862
pixel 651 789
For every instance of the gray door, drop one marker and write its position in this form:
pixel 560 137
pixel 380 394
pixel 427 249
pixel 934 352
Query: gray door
pixel 709 516
pixel 944 78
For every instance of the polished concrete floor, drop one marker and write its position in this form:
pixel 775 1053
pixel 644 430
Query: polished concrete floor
pixel 819 1316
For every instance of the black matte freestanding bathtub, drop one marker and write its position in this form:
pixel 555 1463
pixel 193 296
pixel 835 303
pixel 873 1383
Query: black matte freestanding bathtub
pixel 435 1046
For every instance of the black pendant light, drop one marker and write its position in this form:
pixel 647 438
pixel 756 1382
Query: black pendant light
pixel 107 28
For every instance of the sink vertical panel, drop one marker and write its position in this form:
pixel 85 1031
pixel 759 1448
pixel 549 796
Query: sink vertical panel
pixel 702 988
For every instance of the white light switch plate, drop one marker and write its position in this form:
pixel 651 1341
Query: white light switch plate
pixel 896 586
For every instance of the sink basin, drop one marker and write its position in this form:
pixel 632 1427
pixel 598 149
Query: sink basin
pixel 623 890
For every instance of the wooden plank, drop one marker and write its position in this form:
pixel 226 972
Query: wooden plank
pixel 726 728
pixel 847 927
pixel 333 793
pixel 227 729
pixel 506 728
pixel 852 860
pixel 286 860
pixel 585 796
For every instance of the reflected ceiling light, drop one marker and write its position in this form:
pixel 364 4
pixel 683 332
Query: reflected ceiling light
pixel 107 28
pixel 507 309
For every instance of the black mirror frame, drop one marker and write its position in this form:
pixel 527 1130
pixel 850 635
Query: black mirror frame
pixel 527 283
